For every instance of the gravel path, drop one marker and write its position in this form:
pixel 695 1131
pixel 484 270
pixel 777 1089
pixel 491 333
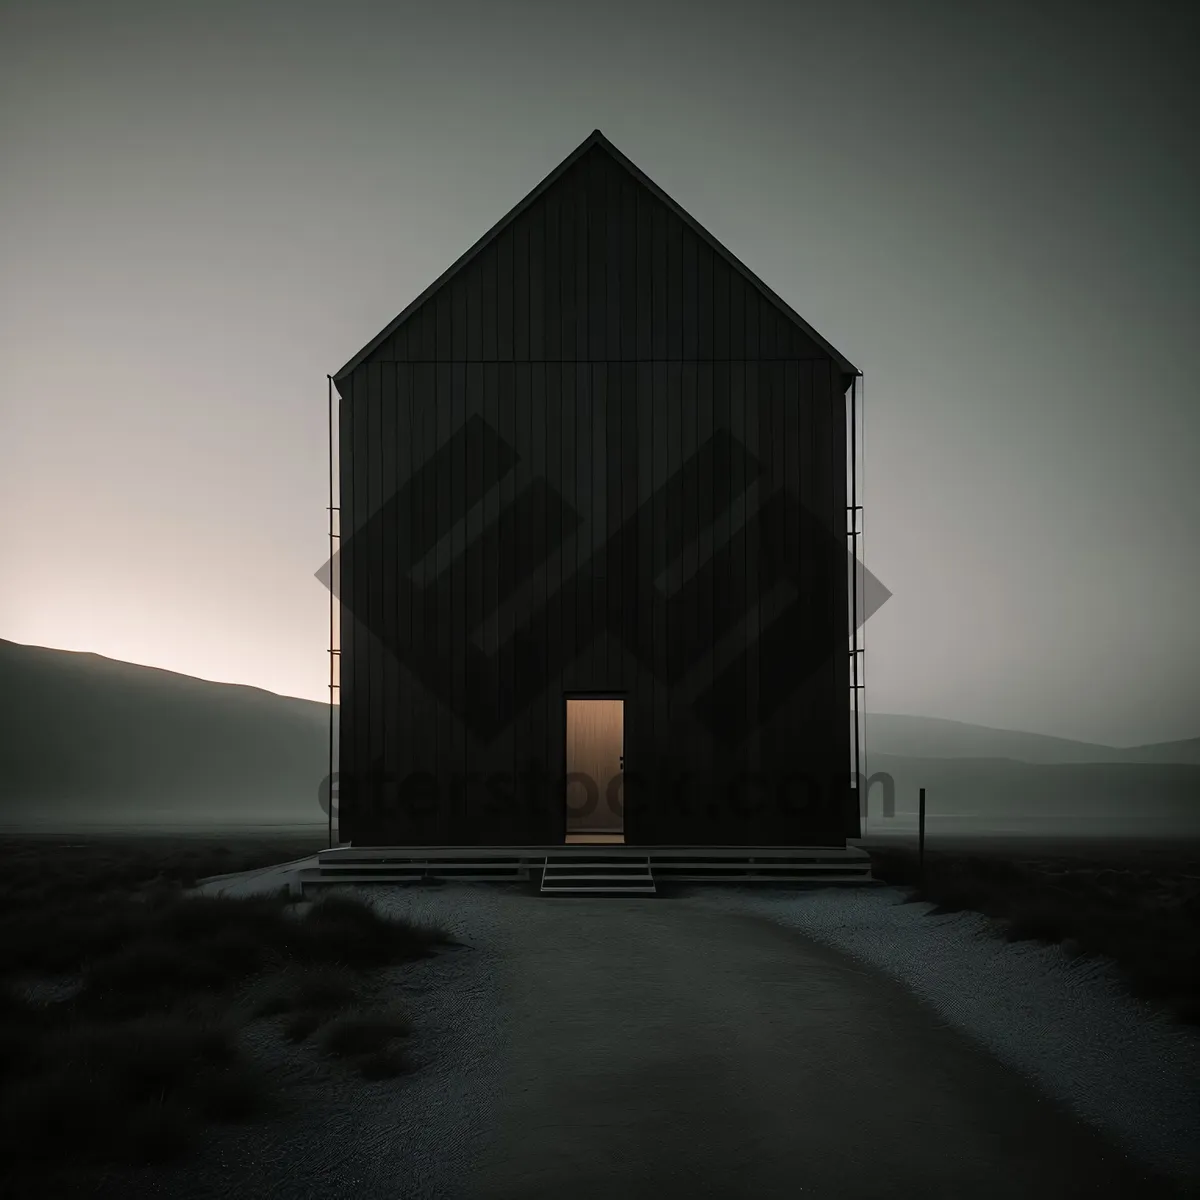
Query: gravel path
pixel 727 1043
pixel 1064 1023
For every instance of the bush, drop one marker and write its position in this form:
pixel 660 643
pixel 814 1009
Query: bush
pixel 324 989
pixel 199 917
pixel 364 1033
pixel 1073 948
pixel 157 1133
pixel 128 1068
pixel 66 1112
pixel 232 1093
pixel 273 1004
pixel 349 932
pixel 60 937
pixel 1143 920
pixel 19 1052
pixel 321 986
pixel 127 1092
pixel 238 951
pixel 386 1063
pixel 150 1057
pixel 303 1022
pixel 1028 922
pixel 152 974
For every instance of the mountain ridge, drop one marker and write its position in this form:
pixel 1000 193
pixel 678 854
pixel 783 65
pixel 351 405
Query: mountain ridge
pixel 83 736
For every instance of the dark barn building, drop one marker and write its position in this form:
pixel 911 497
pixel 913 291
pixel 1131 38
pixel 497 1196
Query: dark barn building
pixel 593 543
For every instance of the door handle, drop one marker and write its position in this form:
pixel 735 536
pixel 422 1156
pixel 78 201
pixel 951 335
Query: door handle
pixel 621 762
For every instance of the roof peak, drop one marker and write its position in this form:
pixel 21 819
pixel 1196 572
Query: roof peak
pixel 597 138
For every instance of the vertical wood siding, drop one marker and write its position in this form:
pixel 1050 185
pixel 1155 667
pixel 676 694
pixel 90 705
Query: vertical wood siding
pixel 595 406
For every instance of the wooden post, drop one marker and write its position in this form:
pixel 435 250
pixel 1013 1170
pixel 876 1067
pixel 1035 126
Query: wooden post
pixel 333 665
pixel 921 835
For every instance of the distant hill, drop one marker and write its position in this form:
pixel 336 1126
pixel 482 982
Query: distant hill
pixel 1186 751
pixel 975 794
pixel 88 738
pixel 979 779
pixel 935 737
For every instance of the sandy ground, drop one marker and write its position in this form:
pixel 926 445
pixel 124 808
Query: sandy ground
pixel 676 1046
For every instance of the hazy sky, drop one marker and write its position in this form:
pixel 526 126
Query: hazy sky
pixel 990 207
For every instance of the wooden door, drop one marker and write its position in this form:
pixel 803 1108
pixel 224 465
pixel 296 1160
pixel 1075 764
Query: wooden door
pixel 595 746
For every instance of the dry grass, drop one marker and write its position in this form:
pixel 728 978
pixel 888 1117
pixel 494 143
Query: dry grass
pixel 319 989
pixel 144 1053
pixel 135 1090
pixel 1142 914
pixel 364 1033
pixel 369 1040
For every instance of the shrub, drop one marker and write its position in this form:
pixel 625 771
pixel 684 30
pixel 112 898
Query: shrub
pixel 237 950
pixel 273 1004
pixel 308 992
pixel 156 1133
pixel 325 988
pixel 196 917
pixel 1073 948
pixel 364 1033
pixel 65 1112
pixel 152 974
pixel 127 1068
pixel 386 1063
pixel 1143 920
pixel 347 931
pixel 303 1022
pixel 1029 922
pixel 232 1093
pixel 126 1092
pixel 148 1057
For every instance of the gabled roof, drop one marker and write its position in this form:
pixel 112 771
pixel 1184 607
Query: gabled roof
pixel 596 138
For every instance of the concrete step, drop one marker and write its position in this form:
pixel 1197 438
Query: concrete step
pixel 643 885
pixel 587 890
pixel 736 871
pixel 666 879
pixel 596 870
pixel 315 878
pixel 596 875
pixel 575 873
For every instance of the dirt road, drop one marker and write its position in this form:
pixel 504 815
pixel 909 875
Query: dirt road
pixel 660 1050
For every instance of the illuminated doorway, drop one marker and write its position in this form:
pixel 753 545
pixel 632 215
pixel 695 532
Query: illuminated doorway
pixel 595 800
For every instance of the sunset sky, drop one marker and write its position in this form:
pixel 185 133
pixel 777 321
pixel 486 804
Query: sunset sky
pixel 208 207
